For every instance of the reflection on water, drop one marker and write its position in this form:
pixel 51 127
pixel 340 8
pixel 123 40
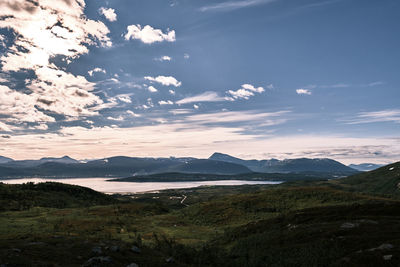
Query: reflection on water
pixel 102 185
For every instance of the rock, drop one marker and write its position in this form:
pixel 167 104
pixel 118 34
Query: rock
pixel 387 257
pixel 136 249
pixel 132 265
pixel 16 250
pixel 385 246
pixel 348 225
pixel 169 260
pixel 97 260
pixel 382 247
pixel 114 248
pixel 97 250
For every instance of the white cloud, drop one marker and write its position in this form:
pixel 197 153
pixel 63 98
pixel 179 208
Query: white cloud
pixel 148 34
pixel 246 91
pixel 109 13
pixel 165 102
pixel 204 97
pixel 172 92
pixel 124 98
pixel 231 5
pixel 91 72
pixel 44 30
pixel 164 80
pixel 302 91
pixel 164 58
pixel 4 127
pixel 119 118
pixel 388 115
pixel 133 114
pixel 152 89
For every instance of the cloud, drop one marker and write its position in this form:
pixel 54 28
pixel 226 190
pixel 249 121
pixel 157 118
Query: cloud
pixel 126 98
pixel 152 89
pixel 164 58
pixel 119 118
pixel 232 5
pixel 4 127
pixel 16 107
pixel 109 13
pixel 91 72
pixel 148 34
pixel 246 91
pixel 302 91
pixel 133 114
pixel 250 116
pixel 165 102
pixel 44 30
pixel 388 115
pixel 172 92
pixel 164 80
pixel 204 97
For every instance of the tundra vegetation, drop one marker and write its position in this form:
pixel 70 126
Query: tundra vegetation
pixel 353 221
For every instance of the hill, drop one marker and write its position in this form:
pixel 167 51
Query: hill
pixel 51 195
pixel 382 181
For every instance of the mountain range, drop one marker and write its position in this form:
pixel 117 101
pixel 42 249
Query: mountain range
pixel 121 166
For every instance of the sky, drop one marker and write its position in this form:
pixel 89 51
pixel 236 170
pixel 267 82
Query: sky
pixel 157 78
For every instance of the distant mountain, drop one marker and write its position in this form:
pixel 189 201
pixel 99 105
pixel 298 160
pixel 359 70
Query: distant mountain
pixel 34 163
pixel 5 159
pixel 382 181
pixel 289 165
pixel 207 166
pixel 116 167
pixel 65 159
pixel 365 166
pixel 131 166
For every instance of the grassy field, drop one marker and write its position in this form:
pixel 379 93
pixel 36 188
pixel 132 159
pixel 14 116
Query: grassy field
pixel 322 223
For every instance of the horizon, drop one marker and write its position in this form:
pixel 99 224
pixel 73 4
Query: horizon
pixel 256 79
pixel 171 157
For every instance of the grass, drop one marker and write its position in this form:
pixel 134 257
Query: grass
pixel 298 223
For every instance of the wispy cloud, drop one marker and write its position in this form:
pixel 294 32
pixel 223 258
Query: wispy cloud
pixel 232 5
pixel 204 97
pixel 388 115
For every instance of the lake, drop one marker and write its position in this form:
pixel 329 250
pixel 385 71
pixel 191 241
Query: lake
pixel 102 185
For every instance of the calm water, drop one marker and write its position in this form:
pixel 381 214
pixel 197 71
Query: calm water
pixel 102 185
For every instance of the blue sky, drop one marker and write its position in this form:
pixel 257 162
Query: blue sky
pixel 252 78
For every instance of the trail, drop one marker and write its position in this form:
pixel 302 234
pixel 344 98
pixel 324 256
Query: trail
pixel 184 198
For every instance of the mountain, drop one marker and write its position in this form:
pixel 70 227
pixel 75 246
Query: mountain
pixel 34 163
pixel 207 166
pixel 5 159
pixel 65 159
pixel 365 166
pixel 382 181
pixel 116 167
pixel 289 165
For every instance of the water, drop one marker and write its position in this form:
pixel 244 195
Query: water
pixel 102 185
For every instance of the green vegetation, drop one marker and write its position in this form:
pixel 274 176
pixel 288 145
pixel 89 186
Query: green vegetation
pixel 353 221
